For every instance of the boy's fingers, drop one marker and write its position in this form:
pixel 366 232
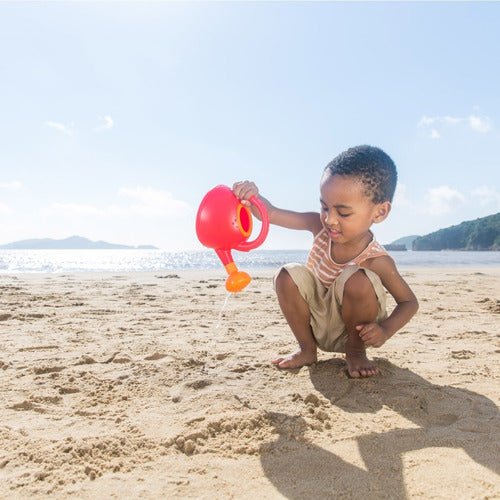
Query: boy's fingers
pixel 243 193
pixel 364 329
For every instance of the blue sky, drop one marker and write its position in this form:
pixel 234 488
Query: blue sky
pixel 116 118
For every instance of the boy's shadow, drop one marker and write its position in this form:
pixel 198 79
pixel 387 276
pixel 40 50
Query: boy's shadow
pixel 447 417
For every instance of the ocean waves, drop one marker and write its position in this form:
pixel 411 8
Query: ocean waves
pixel 74 261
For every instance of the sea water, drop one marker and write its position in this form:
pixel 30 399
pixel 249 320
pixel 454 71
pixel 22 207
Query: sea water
pixel 75 261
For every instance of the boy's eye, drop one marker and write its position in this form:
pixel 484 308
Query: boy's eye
pixel 344 215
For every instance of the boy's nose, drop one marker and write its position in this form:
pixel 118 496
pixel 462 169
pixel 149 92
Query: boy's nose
pixel 331 220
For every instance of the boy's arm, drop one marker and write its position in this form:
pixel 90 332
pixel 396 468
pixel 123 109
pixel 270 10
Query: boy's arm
pixel 406 303
pixel 309 221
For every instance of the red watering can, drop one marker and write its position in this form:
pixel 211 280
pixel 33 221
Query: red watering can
pixel 224 224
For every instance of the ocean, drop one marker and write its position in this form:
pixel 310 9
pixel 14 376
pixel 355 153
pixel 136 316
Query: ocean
pixel 75 261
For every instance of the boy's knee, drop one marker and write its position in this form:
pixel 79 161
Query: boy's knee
pixel 283 280
pixel 358 287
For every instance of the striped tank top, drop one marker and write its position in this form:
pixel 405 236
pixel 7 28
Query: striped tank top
pixel 325 268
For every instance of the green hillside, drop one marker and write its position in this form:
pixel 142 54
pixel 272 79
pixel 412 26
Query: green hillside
pixel 479 234
pixel 406 241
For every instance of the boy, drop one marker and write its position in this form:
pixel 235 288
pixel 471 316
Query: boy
pixel 337 300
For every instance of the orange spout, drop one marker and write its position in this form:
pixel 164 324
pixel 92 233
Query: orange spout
pixel 237 280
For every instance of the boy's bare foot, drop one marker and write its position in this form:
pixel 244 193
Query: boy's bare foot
pixel 358 365
pixel 296 360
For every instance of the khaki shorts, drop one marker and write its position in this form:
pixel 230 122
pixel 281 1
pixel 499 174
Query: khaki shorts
pixel 325 304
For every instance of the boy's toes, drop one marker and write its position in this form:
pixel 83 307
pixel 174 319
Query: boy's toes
pixel 296 360
pixel 285 363
pixel 356 372
pixel 369 372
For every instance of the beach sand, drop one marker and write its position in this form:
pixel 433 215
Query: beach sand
pixel 137 386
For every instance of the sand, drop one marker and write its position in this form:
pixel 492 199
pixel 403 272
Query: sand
pixel 137 386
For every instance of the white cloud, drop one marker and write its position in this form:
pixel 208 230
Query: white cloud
pixel 437 124
pixel 11 186
pixel 487 195
pixel 426 121
pixel 145 201
pixel 400 197
pixel 61 127
pixel 435 134
pixel 107 124
pixel 8 186
pixel 153 202
pixel 442 200
pixel 481 124
pixel 75 209
pixel 4 209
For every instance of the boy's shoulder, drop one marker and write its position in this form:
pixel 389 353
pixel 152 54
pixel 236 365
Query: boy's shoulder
pixel 381 265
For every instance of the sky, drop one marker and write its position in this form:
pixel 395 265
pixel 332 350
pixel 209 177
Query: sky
pixel 117 117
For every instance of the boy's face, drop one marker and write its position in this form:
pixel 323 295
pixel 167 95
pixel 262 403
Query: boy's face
pixel 346 210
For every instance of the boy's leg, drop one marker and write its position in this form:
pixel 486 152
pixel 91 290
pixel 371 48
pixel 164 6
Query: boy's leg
pixel 359 305
pixel 298 316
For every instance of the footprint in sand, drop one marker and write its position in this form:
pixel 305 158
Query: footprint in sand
pixel 27 406
pixel 199 384
pixel 41 370
pixel 155 356
pixel 36 404
pixel 86 360
pixel 119 358
pixel 38 348
pixel 463 354
pixel 443 420
pixel 24 317
pixel 243 368
pixel 68 390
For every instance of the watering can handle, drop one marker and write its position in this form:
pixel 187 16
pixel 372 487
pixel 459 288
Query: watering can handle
pixel 250 245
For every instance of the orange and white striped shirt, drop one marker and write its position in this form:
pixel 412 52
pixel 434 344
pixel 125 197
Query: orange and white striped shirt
pixel 325 268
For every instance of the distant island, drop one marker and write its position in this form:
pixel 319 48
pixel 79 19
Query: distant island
pixel 71 243
pixel 478 234
pixel 401 244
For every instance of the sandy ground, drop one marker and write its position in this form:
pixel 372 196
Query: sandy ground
pixel 137 386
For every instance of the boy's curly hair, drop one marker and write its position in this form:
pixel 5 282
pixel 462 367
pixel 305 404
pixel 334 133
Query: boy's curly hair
pixel 372 166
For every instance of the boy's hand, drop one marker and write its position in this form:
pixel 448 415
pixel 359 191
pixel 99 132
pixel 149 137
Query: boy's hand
pixel 372 334
pixel 244 191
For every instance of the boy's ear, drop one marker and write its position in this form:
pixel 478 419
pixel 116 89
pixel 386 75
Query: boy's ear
pixel 382 211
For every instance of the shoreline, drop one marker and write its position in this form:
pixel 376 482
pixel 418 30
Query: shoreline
pixel 242 267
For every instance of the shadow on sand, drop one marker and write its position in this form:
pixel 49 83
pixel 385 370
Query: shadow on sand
pixel 446 417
